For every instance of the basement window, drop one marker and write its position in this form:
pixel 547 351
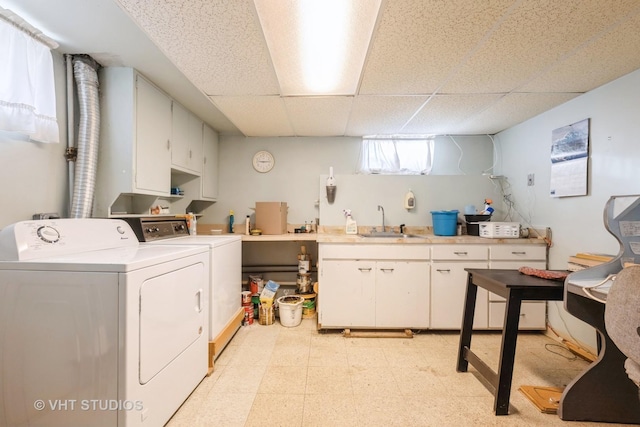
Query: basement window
pixel 396 155
pixel 27 86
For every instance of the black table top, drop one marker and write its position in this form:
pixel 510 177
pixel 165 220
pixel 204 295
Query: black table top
pixel 513 278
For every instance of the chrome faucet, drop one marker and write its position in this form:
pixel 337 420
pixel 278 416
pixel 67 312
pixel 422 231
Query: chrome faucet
pixel 380 208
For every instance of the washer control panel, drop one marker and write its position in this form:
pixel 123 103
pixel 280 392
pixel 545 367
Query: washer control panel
pixel 35 239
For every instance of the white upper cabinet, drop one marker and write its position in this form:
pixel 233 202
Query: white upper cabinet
pixel 135 142
pixel 186 147
pixel 210 164
pixel 148 144
pixel 153 139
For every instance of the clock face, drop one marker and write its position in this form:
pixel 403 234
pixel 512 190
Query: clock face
pixel 263 161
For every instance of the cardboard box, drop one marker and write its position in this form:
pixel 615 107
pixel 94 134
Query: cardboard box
pixel 271 217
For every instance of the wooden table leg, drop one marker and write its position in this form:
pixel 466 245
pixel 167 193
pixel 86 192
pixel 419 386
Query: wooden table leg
pixel 507 353
pixel 467 324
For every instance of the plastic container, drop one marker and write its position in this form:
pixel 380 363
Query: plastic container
pixel 473 227
pixel 445 223
pixel 308 306
pixel 351 227
pixel 290 307
pixel 266 314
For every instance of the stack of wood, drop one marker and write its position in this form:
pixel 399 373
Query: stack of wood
pixel 583 260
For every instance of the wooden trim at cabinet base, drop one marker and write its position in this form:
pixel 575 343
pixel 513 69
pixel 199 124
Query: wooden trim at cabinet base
pixel 348 333
pixel 218 343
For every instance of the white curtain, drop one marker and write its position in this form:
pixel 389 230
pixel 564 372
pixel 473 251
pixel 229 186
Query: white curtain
pixel 396 156
pixel 27 87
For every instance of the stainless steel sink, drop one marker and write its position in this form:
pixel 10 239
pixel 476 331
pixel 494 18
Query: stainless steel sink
pixel 387 234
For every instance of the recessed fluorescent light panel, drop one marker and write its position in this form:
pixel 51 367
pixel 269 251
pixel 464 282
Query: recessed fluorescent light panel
pixel 318 47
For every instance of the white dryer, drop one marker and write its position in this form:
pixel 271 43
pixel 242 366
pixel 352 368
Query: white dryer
pixel 96 329
pixel 225 308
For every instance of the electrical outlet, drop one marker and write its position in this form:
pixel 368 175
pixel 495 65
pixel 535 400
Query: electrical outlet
pixel 530 179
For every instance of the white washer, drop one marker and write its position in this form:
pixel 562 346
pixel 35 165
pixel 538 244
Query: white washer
pixel 96 329
pixel 225 308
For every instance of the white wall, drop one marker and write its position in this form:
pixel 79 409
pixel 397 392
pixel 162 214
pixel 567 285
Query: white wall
pixel 34 175
pixel 577 222
pixel 300 163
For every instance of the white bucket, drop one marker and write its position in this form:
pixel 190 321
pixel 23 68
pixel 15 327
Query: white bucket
pixel 290 307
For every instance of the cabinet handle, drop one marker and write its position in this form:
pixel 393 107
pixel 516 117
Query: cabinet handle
pixel 442 270
pixel 386 269
pixel 168 144
pixel 518 252
pixel 460 253
pixel 190 154
pixel 204 160
pixel 364 269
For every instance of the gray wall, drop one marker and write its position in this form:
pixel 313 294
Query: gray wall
pixel 577 222
pixel 34 175
pixel 302 166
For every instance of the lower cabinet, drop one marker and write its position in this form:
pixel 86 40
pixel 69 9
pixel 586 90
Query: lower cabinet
pixel 347 294
pixel 448 292
pixel 373 293
pixel 417 286
pixel 449 285
pixel 402 294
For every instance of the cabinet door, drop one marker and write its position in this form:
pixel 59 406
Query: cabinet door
pixel 210 164
pixel 153 138
pixel 402 294
pixel 186 142
pixel 448 292
pixel 179 136
pixel 195 144
pixel 347 294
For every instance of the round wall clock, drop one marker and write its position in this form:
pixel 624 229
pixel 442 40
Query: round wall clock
pixel 263 161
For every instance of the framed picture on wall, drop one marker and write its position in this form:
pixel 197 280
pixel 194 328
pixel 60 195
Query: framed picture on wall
pixel 569 160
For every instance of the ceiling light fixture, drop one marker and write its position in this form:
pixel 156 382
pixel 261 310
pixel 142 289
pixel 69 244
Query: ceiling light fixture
pixel 318 47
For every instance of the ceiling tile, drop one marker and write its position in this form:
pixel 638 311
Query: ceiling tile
pixel 531 38
pixel 419 42
pixel 256 115
pixel 444 113
pixel 510 110
pixel 318 116
pixel 217 44
pixel 603 60
pixel 373 115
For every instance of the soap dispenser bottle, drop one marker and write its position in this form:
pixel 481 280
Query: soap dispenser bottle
pixel 409 200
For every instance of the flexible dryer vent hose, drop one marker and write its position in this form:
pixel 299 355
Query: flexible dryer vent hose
pixel 86 77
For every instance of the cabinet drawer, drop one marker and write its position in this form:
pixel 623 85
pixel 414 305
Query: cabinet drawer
pixel 459 252
pixel 377 252
pixel 533 315
pixel 518 252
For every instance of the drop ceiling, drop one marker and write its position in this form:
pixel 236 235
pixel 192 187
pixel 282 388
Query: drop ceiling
pixel 460 67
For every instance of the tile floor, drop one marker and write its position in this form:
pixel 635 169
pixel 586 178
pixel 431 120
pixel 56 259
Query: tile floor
pixel 276 376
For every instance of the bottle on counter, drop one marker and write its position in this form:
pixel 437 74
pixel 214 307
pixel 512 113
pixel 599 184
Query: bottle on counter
pixel 231 221
pixel 247 225
pixel 192 223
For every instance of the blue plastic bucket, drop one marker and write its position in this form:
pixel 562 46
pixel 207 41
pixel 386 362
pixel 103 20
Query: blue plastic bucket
pixel 445 223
